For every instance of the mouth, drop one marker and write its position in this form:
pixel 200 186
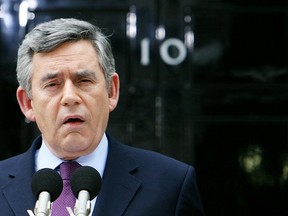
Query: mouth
pixel 73 119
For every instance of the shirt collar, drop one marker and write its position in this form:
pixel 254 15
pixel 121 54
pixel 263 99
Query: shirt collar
pixel 44 158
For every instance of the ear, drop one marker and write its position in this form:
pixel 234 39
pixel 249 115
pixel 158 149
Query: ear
pixel 25 103
pixel 114 92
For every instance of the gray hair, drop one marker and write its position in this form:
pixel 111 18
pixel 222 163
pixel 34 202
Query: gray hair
pixel 49 35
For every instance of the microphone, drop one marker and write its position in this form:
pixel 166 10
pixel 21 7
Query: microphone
pixel 47 186
pixel 85 184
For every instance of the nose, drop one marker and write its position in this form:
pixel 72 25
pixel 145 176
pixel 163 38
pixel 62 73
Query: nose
pixel 70 95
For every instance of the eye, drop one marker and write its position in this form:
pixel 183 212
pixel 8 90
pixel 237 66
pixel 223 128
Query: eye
pixel 85 80
pixel 50 84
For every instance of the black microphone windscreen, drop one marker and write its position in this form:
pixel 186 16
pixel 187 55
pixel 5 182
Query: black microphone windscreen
pixel 86 178
pixel 47 180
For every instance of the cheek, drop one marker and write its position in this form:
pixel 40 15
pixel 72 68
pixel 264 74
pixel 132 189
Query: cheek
pixel 43 110
pixel 37 107
pixel 100 114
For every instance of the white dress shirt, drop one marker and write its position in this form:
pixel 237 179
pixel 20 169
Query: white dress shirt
pixel 44 158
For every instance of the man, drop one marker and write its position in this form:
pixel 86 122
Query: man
pixel 68 86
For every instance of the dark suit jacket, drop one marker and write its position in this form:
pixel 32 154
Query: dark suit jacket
pixel 135 183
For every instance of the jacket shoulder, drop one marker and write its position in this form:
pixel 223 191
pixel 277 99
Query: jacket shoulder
pixel 151 160
pixel 8 166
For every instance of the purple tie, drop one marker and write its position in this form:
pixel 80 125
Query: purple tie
pixel 66 198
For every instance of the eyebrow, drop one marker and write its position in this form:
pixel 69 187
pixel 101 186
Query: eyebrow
pixel 85 73
pixel 50 75
pixel 78 74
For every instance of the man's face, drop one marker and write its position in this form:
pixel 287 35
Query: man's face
pixel 70 100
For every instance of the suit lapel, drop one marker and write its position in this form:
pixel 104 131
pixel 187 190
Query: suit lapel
pixel 19 195
pixel 18 191
pixel 119 186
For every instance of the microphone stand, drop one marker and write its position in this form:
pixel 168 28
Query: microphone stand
pixel 43 208
pixel 43 205
pixel 70 212
pixel 83 204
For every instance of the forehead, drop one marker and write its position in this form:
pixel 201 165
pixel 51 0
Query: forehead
pixel 79 55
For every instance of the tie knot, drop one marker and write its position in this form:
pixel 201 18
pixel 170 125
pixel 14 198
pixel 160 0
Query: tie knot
pixel 67 169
